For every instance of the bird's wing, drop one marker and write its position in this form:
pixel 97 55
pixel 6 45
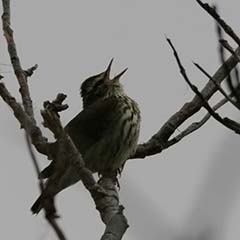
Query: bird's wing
pixel 90 126
pixel 94 123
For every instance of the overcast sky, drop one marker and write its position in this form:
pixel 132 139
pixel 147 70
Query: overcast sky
pixel 190 189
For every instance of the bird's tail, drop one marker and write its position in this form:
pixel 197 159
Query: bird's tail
pixel 37 206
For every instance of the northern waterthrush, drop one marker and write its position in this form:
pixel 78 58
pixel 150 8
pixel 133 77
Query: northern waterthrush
pixel 105 132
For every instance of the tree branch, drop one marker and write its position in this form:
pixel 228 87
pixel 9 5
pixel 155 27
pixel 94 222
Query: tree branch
pixel 48 205
pixel 158 142
pixel 104 194
pixel 19 72
pixel 226 122
pixel 196 125
pixel 211 11
pixel 217 86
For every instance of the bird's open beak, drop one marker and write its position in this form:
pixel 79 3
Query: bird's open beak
pixel 108 70
pixel 116 78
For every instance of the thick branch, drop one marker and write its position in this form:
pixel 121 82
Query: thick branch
pixel 104 193
pixel 37 138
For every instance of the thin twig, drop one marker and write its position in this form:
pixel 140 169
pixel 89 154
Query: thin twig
pixel 226 122
pixel 34 159
pixel 29 72
pixel 158 142
pixel 196 125
pixel 217 85
pixel 49 217
pixel 222 59
pixel 211 11
pixel 25 120
pixel 12 50
pixel 228 47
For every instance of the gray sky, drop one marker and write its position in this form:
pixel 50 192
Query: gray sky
pixel 193 187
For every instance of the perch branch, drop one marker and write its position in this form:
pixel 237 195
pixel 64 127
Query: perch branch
pixel 104 193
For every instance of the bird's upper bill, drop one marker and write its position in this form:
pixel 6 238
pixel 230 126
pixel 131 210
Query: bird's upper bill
pixel 108 71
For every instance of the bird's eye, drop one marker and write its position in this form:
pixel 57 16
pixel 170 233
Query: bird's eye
pixel 98 83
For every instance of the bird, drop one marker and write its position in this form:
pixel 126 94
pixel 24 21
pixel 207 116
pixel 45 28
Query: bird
pixel 105 132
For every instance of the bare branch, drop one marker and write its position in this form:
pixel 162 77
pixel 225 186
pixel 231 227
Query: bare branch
pixel 119 222
pixel 217 85
pixel 37 138
pixel 226 122
pixel 29 72
pixel 211 11
pixel 104 194
pixel 196 125
pixel 19 72
pixel 35 133
pixel 158 142
pixel 222 59
pixel 48 205
pixel 35 163
pixel 228 47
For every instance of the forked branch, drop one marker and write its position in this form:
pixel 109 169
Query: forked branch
pixel 104 194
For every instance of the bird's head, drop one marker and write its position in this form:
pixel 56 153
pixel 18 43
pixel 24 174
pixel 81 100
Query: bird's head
pixel 100 86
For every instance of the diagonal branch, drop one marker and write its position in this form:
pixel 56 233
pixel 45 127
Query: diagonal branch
pixel 158 142
pixel 217 85
pixel 196 125
pixel 19 72
pixel 39 141
pixel 26 121
pixel 222 59
pixel 228 47
pixel 226 122
pixel 47 204
pixel 104 193
pixel 211 11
